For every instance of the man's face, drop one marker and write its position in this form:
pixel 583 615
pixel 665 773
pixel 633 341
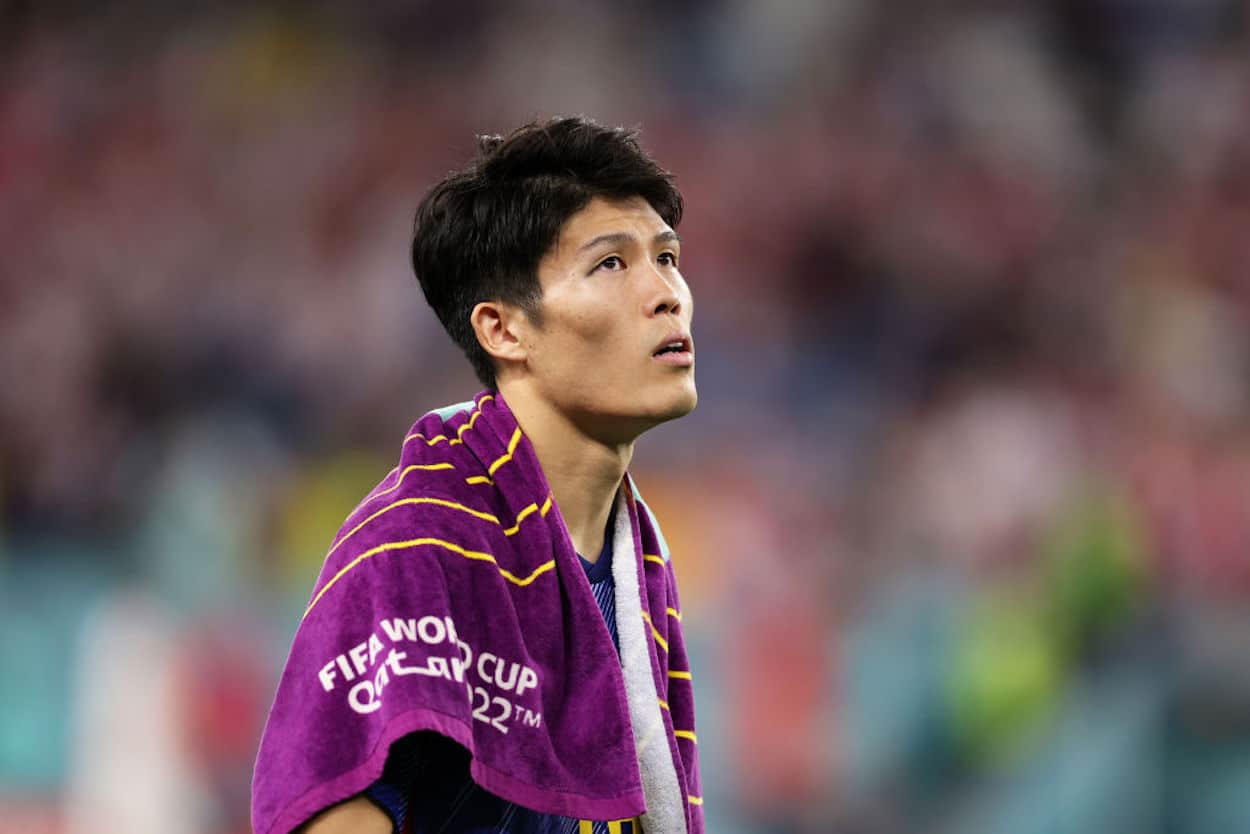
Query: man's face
pixel 613 351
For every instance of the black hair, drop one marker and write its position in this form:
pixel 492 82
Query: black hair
pixel 481 232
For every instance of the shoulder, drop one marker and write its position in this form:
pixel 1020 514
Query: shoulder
pixel 444 428
pixel 430 457
pixel 433 483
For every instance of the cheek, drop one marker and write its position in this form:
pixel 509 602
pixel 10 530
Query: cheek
pixel 595 326
pixel 586 330
pixel 571 344
pixel 599 344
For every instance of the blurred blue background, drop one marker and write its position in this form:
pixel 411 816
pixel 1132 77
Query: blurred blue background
pixel 962 520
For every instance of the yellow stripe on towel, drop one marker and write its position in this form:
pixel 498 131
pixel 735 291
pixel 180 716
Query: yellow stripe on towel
pixel 655 632
pixel 446 545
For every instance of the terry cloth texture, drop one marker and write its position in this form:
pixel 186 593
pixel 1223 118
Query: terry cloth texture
pixel 452 600
pixel 425 787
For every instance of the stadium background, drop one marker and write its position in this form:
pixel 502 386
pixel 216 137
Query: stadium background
pixel 961 520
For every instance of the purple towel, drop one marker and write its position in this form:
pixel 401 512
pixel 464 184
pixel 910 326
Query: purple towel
pixel 452 600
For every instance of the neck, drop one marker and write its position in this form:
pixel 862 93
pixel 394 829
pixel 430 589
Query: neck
pixel 583 472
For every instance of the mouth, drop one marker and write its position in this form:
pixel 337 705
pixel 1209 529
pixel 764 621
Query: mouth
pixel 676 349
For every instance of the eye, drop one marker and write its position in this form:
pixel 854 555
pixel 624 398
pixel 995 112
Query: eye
pixel 668 259
pixel 612 263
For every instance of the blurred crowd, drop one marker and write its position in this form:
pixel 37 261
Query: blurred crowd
pixel 962 520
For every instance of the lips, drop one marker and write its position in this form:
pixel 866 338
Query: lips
pixel 677 350
pixel 674 343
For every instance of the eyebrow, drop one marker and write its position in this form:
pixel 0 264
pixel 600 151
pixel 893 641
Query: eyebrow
pixel 620 238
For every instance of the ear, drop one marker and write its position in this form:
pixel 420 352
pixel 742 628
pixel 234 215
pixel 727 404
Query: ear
pixel 499 327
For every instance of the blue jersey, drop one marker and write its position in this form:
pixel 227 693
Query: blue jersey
pixel 425 787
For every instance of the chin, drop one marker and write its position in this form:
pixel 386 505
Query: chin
pixel 677 406
pixel 686 404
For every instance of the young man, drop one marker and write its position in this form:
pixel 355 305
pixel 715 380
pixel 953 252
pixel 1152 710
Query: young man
pixel 494 643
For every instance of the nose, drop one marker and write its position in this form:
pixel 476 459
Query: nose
pixel 668 304
pixel 664 296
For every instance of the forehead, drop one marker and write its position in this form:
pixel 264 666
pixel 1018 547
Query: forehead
pixel 631 216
